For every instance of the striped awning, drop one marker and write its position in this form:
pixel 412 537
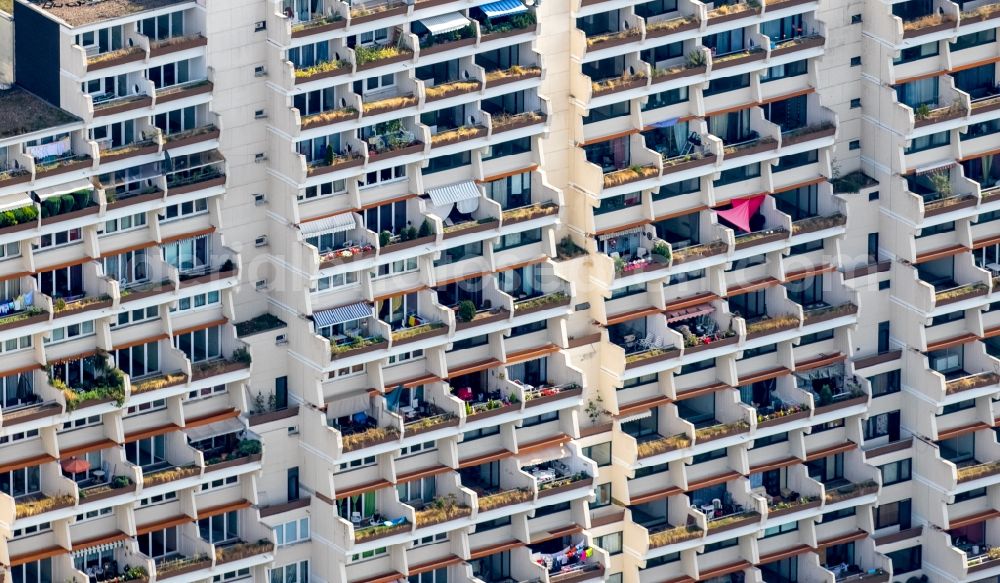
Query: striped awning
pixel 688 313
pixel 334 224
pixel 454 193
pixel 503 8
pixel 224 427
pixel 936 167
pixel 637 416
pixel 445 23
pixel 342 314
pixel 621 233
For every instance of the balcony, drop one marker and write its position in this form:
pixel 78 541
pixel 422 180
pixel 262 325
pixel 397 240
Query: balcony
pixel 392 144
pixel 512 75
pixel 36 504
pixel 623 82
pixel 969 382
pixel 980 14
pixel 749 147
pixel 183 90
pixel 202 171
pixel 220 366
pixel 733 11
pixel 838 493
pixel 54 165
pixel 427 417
pixel 928 24
pixel 106 105
pixel 951 295
pixel 323 70
pixel 240 550
pixel 371 11
pixel 819 223
pixel 115 58
pixel 529 212
pixel 493 499
pixel 380 528
pixel 631 174
pixel 456 135
pixel 735 519
pixel 720 430
pixel 767 325
pixel 442 509
pixel 180 565
pixel 377 56
pixel 318 25
pixel 658 444
pixel 925 114
pixel 140 148
pixel 976 470
pixel 175 44
pixel 670 535
pixel 104 385
pixel 352 346
pixel 384 105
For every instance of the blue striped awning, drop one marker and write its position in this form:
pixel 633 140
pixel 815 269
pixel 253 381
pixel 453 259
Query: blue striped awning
pixel 342 314
pixel 503 8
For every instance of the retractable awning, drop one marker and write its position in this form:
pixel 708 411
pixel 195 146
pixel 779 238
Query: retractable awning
pixel 936 167
pixel 445 23
pixel 342 314
pixel 637 416
pixel 688 313
pixel 216 429
pixel 334 224
pixel 621 233
pixel 503 8
pixel 454 193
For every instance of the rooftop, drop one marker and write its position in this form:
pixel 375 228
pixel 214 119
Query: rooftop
pixel 22 112
pixel 82 12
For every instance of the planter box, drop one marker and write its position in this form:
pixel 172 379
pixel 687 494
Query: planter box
pixel 513 79
pixel 479 133
pixel 247 459
pixel 753 56
pixel 783 419
pixel 928 29
pixel 840 405
pixel 186 569
pixel 777 4
pixel 78 165
pixel 811 226
pixel 708 252
pixel 132 296
pixel 793 509
pixel 411 431
pixel 319 29
pixel 734 525
pixel 442 331
pixel 217 181
pixel 686 72
pixel 16 179
pixel 700 439
pixel 968 202
pixel 273 509
pixel 507 33
pixel 830 315
pixel 584 483
pixel 324 75
pixel 518 124
pixel 365 350
pixel 762 145
pixel 85 498
pixel 733 16
pixel 70 310
pixel 492 412
pixel 465 42
pixel 146 101
pixel 776 236
pixel 316 122
pixel 973 293
pixel 175 383
pixel 630 84
pixel 544 211
pixel 197 375
pixel 43 317
pixel 673 353
pixel 411 149
pixel 805 137
pixel 385 533
pixel 724 342
pixel 136 199
pixel 687 164
pixel 496 317
pixel 31 413
pixel 808 43
pixel 271 416
pixel 446 95
pixel 130 57
pixel 339 260
pixel 379 15
pixel 478 228
pixel 185 92
pixel 393 247
pixel 656 33
pixel 383 62
pixel 986 105
pixel 549 398
pixel 987 564
pixel 198 41
pixel 371 443
pixel 947 116
pixel 93 402
pixel 548 306
pixel 91 210
pixel 215 276
pixel 256 550
pixel 144 151
pixel 761 333
pixel 616 41
pixel 337 165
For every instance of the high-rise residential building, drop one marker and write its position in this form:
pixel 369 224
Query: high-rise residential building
pixel 521 291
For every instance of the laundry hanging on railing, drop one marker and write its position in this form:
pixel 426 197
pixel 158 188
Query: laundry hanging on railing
pixel 21 302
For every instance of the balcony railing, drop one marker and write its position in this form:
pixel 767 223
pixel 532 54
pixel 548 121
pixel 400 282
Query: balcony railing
pixel 980 14
pixel 491 501
pixel 959 293
pixel 674 535
pixel 348 346
pixel 241 550
pixel 630 174
pixel 851 490
pixel 975 472
pixel 368 437
pixel 926 24
pixel 663 445
pixel 381 529
pixel 442 509
pixel 969 382
pixel 734 520
pixel 769 325
pixel 813 224
pixel 721 430
pixel 620 83
pixel 36 504
pixel 176 566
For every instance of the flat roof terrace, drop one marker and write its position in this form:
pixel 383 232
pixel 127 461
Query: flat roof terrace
pixel 83 12
pixel 22 112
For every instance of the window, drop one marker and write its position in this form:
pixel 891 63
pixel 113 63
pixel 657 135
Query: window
pixel 916 53
pixel 125 223
pixel 838 514
pixel 163 26
pixel 958 406
pixel 70 332
pixel 169 74
pixel 518 146
pixel 895 472
pixel 478 433
pixel 896 513
pixel 856 19
pixel 196 301
pixel 135 316
pixel 139 361
pixel 200 345
pixel 602 495
pixel 159 543
pixel 885 383
pixel 518 239
pixel 10 250
pixel 781 529
pixel 436 576
pixel 856 103
pixel 184 209
pixel 793 69
pixel 21 482
pixel 967 41
pixel 14 344
pixel 600 453
pixel 725 84
pixel 854 145
pixel 220 528
pixel 612 543
pixel 855 61
pixel 905 560
pixel 35 572
pixel 188 254
pixel 59 239
pixel 927 142
pixel 539 419
pixel 738 174
pixel 607 112
pixel 294 573
pixel 882 425
pixel 159 499
pixel 146 452
pixel 127 268
pixel 325 189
